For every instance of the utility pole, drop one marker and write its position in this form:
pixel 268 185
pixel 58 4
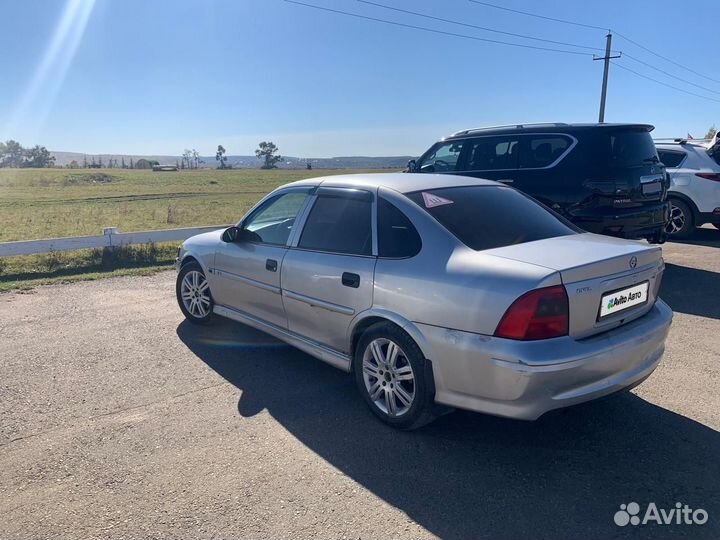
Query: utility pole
pixel 606 58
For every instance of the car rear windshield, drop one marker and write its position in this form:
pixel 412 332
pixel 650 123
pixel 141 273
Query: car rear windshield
pixel 486 217
pixel 626 148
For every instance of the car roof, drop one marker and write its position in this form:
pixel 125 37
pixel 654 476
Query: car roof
pixel 556 127
pixel 401 182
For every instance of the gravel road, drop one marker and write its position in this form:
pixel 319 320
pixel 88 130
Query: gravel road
pixel 119 420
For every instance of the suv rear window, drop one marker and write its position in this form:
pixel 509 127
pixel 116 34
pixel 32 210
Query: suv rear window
pixel 486 217
pixel 627 148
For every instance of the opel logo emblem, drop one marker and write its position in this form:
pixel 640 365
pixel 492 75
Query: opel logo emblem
pixel 633 262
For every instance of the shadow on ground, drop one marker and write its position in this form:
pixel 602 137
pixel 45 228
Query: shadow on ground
pixel 704 236
pixel 691 290
pixel 474 476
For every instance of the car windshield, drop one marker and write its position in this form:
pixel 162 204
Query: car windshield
pixel 486 217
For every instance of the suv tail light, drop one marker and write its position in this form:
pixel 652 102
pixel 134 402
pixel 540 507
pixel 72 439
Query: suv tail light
pixel 539 314
pixel 709 176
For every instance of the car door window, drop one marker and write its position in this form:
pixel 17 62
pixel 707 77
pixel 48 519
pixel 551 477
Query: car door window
pixel 339 224
pixel 543 150
pixel 671 159
pixel 397 237
pixel 492 153
pixel 272 222
pixel 442 158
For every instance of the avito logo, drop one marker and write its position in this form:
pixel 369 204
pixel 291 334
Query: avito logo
pixel 682 514
pixel 622 299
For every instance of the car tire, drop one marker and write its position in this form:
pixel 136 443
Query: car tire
pixel 682 220
pixel 399 387
pixel 193 294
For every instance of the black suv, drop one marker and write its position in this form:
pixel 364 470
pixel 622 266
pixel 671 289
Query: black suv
pixel 605 178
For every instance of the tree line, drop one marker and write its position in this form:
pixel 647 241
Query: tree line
pixel 13 154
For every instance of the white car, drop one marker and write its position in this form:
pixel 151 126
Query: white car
pixel 694 194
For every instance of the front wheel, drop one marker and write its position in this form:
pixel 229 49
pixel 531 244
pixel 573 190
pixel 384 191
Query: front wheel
pixel 682 222
pixel 391 375
pixel 193 294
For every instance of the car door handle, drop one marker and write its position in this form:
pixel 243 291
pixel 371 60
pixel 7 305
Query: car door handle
pixel 271 264
pixel 351 280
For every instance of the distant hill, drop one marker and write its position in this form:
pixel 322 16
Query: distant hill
pixel 247 162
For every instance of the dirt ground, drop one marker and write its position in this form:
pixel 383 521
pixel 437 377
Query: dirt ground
pixel 119 420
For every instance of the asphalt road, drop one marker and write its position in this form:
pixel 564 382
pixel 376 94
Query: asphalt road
pixel 120 420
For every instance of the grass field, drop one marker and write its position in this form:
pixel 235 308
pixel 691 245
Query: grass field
pixel 50 203
pixel 47 203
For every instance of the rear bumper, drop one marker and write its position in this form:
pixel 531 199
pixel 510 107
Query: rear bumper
pixel 632 223
pixel 525 379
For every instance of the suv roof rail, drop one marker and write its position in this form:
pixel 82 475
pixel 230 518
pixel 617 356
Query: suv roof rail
pixel 513 126
pixel 681 140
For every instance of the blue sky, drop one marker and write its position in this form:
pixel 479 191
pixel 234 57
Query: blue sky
pixel 155 77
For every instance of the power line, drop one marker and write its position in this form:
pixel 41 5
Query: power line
pixel 432 30
pixel 665 58
pixel 670 74
pixel 664 84
pixel 484 28
pixel 564 21
pixel 574 23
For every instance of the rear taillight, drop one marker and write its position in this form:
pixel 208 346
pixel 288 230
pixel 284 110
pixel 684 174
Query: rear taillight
pixel 709 176
pixel 538 314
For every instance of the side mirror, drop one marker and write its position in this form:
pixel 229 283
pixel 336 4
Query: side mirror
pixel 236 234
pixel 231 234
pixel 411 166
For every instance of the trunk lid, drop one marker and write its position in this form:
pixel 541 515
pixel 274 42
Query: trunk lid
pixel 594 268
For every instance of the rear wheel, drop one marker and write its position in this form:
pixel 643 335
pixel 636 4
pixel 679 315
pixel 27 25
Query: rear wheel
pixel 193 294
pixel 682 222
pixel 391 375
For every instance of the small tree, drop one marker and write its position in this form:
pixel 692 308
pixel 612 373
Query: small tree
pixel 267 152
pixel 73 165
pixel 711 132
pixel 132 163
pixel 38 157
pixel 122 162
pixel 220 156
pixel 11 154
pixel 187 158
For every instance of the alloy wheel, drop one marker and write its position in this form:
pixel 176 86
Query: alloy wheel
pixel 389 377
pixel 677 220
pixel 195 294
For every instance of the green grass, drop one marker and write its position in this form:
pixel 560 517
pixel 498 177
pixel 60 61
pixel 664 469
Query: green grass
pixel 51 203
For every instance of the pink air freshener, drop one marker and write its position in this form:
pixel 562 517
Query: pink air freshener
pixel 431 201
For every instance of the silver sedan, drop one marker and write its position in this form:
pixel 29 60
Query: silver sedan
pixel 436 292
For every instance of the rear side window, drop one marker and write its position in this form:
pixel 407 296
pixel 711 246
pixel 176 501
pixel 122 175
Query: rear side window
pixel 492 153
pixel 486 217
pixel 543 150
pixel 339 225
pixel 671 158
pixel 397 237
